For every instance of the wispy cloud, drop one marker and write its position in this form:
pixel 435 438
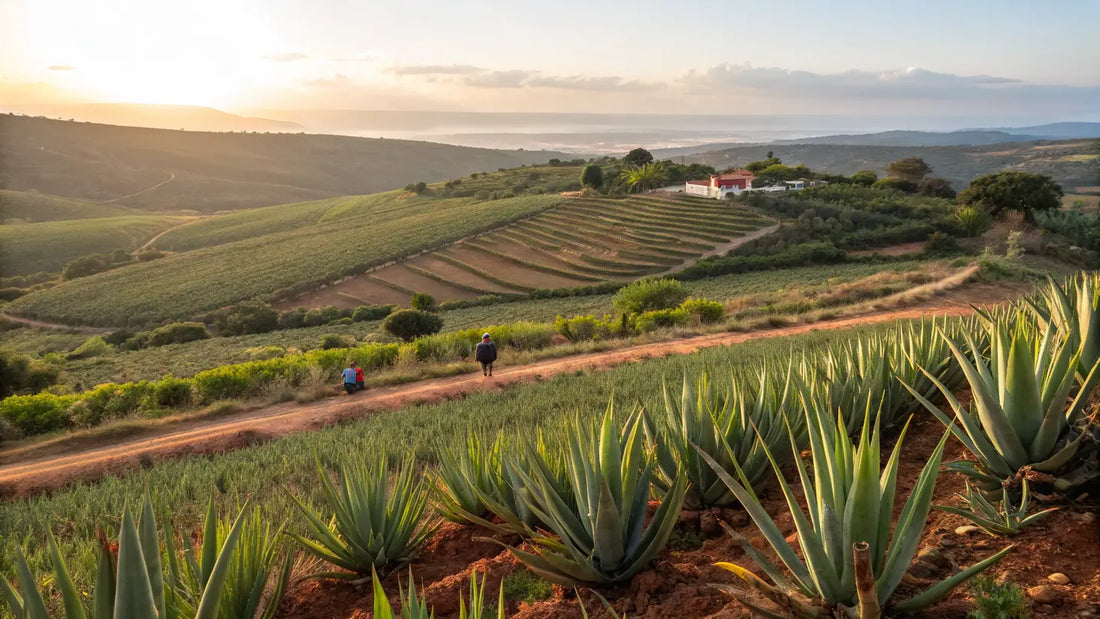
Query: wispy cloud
pixel 605 83
pixel 62 67
pixel 437 69
pixel 286 57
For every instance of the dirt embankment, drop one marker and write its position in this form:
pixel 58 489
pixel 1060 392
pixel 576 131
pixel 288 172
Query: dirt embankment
pixel 35 468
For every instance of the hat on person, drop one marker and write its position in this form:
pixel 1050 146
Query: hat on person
pixel 484 335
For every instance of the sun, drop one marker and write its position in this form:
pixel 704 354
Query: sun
pixel 202 52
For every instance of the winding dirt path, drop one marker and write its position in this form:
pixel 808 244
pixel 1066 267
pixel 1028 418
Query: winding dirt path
pixel 30 322
pixel 171 177
pixel 32 469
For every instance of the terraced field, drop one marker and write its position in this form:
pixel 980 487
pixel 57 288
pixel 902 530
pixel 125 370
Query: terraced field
pixel 580 242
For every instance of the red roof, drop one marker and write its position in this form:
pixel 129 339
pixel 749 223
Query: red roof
pixel 698 182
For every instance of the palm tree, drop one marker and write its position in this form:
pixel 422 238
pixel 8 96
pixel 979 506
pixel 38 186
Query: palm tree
pixel 644 177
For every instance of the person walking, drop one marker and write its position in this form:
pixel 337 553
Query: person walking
pixel 486 354
pixel 351 384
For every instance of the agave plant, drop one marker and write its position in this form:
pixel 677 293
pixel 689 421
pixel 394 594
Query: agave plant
pixel 1003 518
pixel 258 576
pixel 370 525
pixel 603 537
pixel 1019 423
pixel 129 586
pixel 1074 309
pixel 415 607
pixel 466 474
pixel 725 425
pixel 850 564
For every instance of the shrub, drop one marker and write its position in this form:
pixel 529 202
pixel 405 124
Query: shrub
pixel 313 318
pixel 660 319
pixel 177 333
pixel 11 294
pixel 482 195
pixel 940 243
pixel 332 313
pixel 582 328
pixel 36 414
pixel 364 313
pixel 424 302
pixel 971 220
pixel 330 341
pixel 460 344
pixel 118 338
pixel 708 312
pixel 650 294
pixel 263 353
pixel 252 316
pixel 411 323
pixel 994 600
pixel 92 347
pixel 22 374
pixel 292 319
pixel 592 176
pixel 111 401
pixel 172 392
pixel 148 255
pixel 897 184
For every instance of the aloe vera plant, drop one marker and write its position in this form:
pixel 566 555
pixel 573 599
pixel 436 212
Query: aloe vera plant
pixel 131 585
pixel 997 518
pixel 726 425
pixel 850 564
pixel 258 575
pixel 369 524
pixel 1019 424
pixel 603 538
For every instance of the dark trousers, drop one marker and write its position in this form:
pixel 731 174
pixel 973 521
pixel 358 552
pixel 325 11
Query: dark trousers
pixel 486 367
pixel 351 387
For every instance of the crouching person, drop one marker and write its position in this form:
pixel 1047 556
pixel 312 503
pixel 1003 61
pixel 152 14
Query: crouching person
pixel 351 379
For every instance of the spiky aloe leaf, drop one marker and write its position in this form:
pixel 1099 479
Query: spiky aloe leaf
pixel 133 593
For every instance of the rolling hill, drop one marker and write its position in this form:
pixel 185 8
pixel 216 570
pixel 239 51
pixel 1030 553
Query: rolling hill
pixel 164 170
pixel 31 206
pixel 1072 163
pixel 157 116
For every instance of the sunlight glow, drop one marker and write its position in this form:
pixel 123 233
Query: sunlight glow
pixel 204 52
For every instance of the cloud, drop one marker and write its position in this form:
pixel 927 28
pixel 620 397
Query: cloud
pixel 499 79
pixel 336 81
pixel 478 77
pixel 286 57
pixel 606 83
pixel 437 69
pixel 907 83
pixel 62 67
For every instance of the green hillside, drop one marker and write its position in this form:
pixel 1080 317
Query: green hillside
pixel 31 206
pixel 48 246
pixel 183 285
pixel 210 172
pixel 1072 163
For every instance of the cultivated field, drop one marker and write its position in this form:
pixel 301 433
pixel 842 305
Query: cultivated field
pixel 580 242
pixel 29 206
pixel 183 285
pixel 49 245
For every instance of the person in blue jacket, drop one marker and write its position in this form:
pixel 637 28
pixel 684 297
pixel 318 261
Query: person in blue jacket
pixel 351 382
pixel 486 354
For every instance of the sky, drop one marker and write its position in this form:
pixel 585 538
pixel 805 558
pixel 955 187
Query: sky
pixel 640 56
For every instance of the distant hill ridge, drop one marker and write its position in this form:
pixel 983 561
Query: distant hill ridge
pixel 208 172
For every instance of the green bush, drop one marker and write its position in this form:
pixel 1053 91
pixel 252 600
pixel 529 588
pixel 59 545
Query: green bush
pixel 252 316
pixel 119 337
pixel 941 244
pixel 22 374
pixel 707 312
pixel 424 302
pixel 482 195
pixel 332 313
pixel 364 313
pixel 660 319
pixel 177 333
pixel 460 344
pixel 148 255
pixel 172 392
pixel 332 340
pixel 582 328
pixel 37 414
pixel 92 347
pixel 11 294
pixel 994 600
pixel 113 401
pixel 410 324
pixel 263 353
pixel 293 319
pixel 313 318
pixel 650 294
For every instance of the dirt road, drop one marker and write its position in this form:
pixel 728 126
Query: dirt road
pixel 36 468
